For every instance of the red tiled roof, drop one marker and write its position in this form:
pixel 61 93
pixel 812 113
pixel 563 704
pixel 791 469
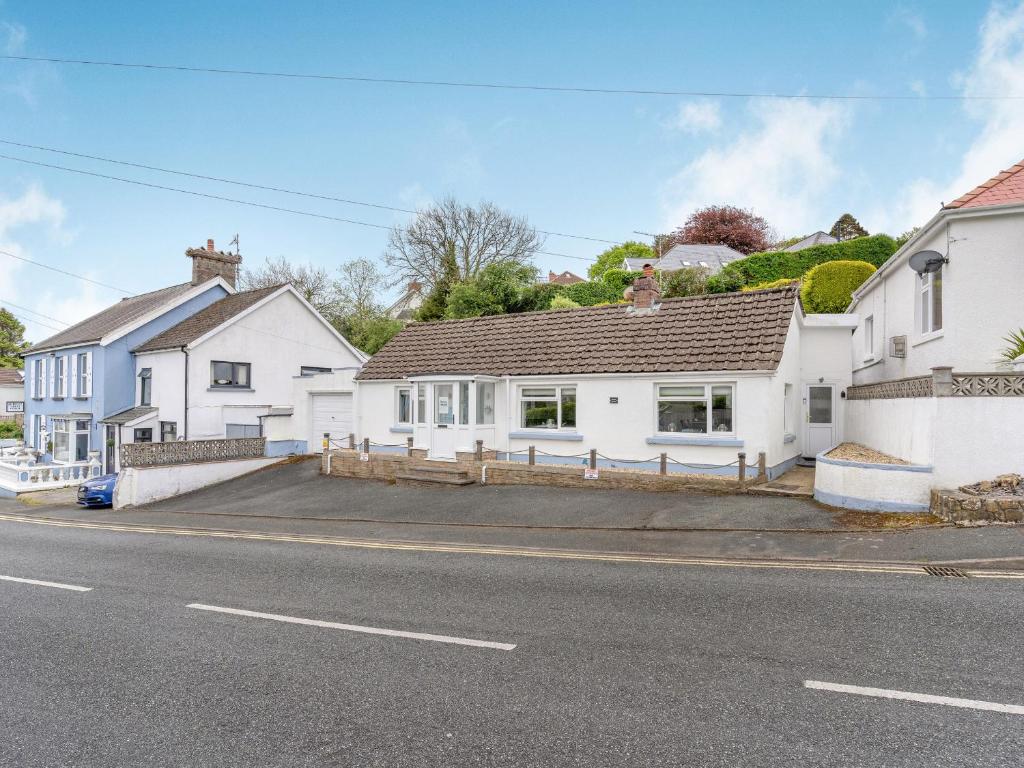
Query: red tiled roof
pixel 10 376
pixel 1002 189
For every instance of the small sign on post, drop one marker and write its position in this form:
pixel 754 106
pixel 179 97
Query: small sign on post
pixel 364 457
pixel 590 474
pixel 327 440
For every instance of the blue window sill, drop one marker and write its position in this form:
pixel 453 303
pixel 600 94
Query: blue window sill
pixel 546 434
pixel 789 438
pixel 725 442
pixel 402 428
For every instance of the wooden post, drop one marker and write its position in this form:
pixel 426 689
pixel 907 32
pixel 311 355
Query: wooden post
pixel 366 445
pixel 351 441
pixel 743 467
pixel 762 466
pixel 408 444
pixel 664 463
pixel 533 455
pixel 479 450
pixel 593 458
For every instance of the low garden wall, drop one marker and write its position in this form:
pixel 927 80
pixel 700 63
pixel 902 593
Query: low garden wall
pixel 489 469
pixel 191 451
pixel 143 485
pixel 872 487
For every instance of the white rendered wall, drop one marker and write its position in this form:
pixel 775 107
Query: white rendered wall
pixel 144 485
pixel 900 427
pixel 876 488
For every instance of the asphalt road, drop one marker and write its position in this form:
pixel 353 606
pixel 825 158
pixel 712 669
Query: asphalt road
pixel 614 663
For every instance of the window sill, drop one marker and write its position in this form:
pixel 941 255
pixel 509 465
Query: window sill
pixel 401 428
pixel 545 434
pixel 876 361
pixel 724 442
pixel 230 389
pixel 926 337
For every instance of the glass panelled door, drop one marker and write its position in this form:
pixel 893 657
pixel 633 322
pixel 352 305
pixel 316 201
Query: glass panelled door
pixel 442 437
pixel 819 434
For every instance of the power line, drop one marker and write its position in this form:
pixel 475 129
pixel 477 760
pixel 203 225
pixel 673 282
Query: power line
pixel 228 200
pixel 37 322
pixel 65 272
pixel 33 312
pixel 518 86
pixel 266 187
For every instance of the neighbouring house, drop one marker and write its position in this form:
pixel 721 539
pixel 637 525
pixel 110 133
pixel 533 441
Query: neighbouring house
pixel 929 386
pixel 407 304
pixel 226 369
pixel 564 278
pixel 77 377
pixel 709 257
pixel 818 238
pixel 701 378
pixel 12 394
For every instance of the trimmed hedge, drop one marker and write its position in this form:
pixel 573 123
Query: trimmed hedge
pixel 829 287
pixel 776 265
pixel 771 284
pixel 594 292
pixel 619 279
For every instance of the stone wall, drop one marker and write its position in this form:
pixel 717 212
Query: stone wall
pixel 386 466
pixel 960 507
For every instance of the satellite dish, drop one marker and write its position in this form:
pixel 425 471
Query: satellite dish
pixel 924 262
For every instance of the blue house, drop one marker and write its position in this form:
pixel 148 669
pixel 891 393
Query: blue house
pixel 86 373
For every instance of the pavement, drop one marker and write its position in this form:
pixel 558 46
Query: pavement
pixel 487 660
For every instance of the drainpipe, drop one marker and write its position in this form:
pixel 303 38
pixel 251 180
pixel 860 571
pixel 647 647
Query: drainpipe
pixel 184 351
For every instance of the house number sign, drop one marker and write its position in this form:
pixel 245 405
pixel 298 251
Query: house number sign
pixel 15 406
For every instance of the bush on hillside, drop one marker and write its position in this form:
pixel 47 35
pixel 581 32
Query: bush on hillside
pixel 594 292
pixel 688 281
pixel 829 287
pixel 771 284
pixel 563 302
pixel 775 265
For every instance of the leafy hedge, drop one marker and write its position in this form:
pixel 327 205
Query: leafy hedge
pixel 589 294
pixel 775 265
pixel 10 430
pixel 829 287
pixel 619 279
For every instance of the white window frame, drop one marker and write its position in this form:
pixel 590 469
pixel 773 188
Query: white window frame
pixel 60 376
pixel 706 398
pixel 926 302
pixel 38 388
pixel 398 405
pixel 145 375
pixel 869 338
pixel 557 399
pixel 787 410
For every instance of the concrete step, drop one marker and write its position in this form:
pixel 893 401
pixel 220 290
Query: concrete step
pixel 434 475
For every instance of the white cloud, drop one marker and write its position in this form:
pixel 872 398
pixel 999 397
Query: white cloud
pixel 779 168
pixel 696 117
pixel 12 37
pixel 997 69
pixel 912 20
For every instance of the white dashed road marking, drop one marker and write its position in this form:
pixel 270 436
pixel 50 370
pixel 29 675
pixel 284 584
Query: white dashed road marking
pixel 53 584
pixel 925 698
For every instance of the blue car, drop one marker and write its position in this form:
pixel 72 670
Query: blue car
pixel 97 492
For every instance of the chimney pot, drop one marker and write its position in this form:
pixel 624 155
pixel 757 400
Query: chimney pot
pixel 551 276
pixel 209 245
pixel 648 269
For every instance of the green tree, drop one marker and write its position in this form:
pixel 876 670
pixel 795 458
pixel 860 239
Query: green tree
pixel 847 228
pixel 902 239
pixel 614 257
pixel 829 287
pixel 619 279
pixel 436 302
pixel 369 332
pixel 12 340
pixel 563 302
pixel 499 288
pixel 688 281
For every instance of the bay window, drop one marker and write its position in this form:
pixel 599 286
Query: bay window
pixel 547 407
pixel 695 408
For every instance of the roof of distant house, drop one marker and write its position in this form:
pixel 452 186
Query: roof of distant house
pixel 11 376
pixel 712 257
pixel 565 278
pixel 1002 189
pixel 94 328
pixel 715 332
pixel 818 238
pixel 205 320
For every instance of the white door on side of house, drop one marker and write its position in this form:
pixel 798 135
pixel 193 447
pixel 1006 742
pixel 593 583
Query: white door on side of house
pixel 819 418
pixel 332 414
pixel 442 428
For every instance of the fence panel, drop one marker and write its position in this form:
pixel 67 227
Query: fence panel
pixel 191 451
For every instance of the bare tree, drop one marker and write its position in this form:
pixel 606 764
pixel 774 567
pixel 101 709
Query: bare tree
pixel 359 287
pixel 315 284
pixel 477 236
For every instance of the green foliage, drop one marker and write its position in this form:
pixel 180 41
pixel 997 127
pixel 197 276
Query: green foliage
pixel 688 281
pixel 369 332
pixel 620 279
pixel 771 284
pixel 499 288
pixel 774 265
pixel 614 257
pixel 829 287
pixel 594 292
pixel 12 340
pixel 10 430
pixel 902 239
pixel 847 228
pixel 562 302
pixel 535 298
pixel 1015 346
pixel 436 302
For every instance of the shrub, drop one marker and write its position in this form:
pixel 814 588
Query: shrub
pixel 829 287
pixel 10 430
pixel 594 292
pixel 775 265
pixel 562 302
pixel 771 284
pixel 537 297
pixel 619 279
pixel 1014 348
pixel 688 281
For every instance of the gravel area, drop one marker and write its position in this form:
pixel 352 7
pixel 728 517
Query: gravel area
pixel 858 452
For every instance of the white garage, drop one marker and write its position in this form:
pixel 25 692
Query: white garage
pixel 332 414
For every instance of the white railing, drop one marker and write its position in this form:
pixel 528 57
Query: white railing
pixel 21 474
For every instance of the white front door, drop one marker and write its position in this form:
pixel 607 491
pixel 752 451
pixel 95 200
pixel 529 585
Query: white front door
pixel 442 425
pixel 819 419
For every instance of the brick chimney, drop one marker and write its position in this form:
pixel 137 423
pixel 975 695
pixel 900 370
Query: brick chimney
pixel 644 292
pixel 208 263
pixel 552 276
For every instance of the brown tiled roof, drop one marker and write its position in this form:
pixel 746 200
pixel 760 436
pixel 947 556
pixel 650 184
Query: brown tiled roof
pixel 10 376
pixel 205 320
pixel 1002 189
pixel 718 332
pixel 94 328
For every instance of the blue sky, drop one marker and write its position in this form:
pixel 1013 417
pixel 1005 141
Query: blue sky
pixel 590 164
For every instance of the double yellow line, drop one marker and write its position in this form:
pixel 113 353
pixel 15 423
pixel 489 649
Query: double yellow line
pixel 483 549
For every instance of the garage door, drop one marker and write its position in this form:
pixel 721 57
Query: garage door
pixel 332 414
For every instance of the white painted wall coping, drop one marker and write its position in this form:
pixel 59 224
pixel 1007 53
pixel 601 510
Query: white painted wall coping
pixel 872 487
